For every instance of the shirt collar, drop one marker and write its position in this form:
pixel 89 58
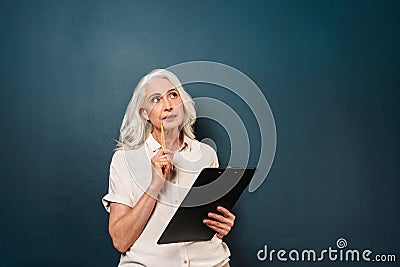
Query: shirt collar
pixel 152 143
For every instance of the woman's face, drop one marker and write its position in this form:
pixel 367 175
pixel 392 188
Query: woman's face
pixel 163 103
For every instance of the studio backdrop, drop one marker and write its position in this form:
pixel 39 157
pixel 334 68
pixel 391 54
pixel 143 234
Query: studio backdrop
pixel 327 71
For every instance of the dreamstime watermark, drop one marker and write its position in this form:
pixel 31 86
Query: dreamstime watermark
pixel 339 253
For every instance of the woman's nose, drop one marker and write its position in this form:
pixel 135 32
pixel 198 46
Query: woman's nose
pixel 167 105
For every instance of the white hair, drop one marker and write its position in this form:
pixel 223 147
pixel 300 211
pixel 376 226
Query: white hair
pixel 135 128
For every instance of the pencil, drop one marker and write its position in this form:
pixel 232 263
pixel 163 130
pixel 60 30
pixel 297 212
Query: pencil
pixel 162 135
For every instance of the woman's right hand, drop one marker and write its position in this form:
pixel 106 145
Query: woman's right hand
pixel 161 166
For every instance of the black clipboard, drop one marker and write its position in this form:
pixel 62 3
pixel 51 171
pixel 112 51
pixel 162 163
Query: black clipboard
pixel 187 223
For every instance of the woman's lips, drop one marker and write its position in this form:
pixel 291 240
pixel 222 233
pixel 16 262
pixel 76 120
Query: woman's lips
pixel 169 117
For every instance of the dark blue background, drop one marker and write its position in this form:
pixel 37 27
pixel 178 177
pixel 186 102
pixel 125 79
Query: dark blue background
pixel 329 70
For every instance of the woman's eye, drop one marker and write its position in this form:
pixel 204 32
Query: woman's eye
pixel 173 95
pixel 155 99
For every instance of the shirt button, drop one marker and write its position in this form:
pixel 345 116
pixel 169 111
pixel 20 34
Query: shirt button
pixel 185 261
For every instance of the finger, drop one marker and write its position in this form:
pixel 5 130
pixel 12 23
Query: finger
pixel 169 154
pixel 217 224
pixel 166 158
pixel 163 156
pixel 167 168
pixel 161 165
pixel 162 162
pixel 167 151
pixel 219 231
pixel 221 218
pixel 159 153
pixel 225 212
pixel 160 158
pixel 163 152
pixel 157 157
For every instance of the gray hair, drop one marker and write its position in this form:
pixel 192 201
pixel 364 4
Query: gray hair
pixel 135 129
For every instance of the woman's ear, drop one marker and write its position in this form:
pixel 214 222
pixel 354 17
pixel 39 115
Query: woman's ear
pixel 144 114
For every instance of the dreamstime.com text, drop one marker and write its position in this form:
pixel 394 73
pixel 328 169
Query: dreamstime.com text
pixel 340 253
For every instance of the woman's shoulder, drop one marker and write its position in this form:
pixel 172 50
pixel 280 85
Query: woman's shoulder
pixel 121 154
pixel 203 147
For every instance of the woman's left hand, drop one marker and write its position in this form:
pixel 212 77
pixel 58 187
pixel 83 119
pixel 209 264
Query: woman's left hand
pixel 221 224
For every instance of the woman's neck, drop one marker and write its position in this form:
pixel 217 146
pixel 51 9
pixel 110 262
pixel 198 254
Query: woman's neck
pixel 173 138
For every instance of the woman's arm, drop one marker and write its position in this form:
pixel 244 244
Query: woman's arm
pixel 125 223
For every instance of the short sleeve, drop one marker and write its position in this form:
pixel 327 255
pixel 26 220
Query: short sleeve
pixel 215 163
pixel 120 188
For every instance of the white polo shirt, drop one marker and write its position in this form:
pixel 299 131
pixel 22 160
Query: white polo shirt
pixel 130 175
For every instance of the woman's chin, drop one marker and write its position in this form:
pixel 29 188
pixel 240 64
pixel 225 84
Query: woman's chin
pixel 171 124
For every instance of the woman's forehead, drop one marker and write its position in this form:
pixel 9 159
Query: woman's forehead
pixel 158 85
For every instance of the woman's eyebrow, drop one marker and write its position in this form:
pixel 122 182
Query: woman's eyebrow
pixel 173 89
pixel 155 94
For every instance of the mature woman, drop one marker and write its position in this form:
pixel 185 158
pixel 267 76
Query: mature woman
pixel 147 183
